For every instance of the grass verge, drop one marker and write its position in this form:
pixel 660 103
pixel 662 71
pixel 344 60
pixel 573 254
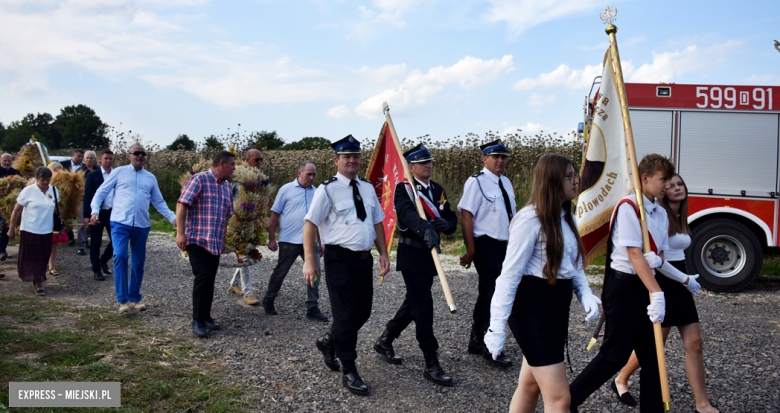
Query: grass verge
pixel 45 340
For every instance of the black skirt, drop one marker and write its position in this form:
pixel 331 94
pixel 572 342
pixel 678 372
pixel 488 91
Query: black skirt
pixel 680 307
pixel 540 319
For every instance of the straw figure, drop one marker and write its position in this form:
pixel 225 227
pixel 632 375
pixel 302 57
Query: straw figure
pixel 10 187
pixel 71 188
pixel 29 158
pixel 246 228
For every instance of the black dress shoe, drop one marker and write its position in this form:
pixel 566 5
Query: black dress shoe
pixel 106 270
pixel 501 361
pixel 384 346
pixel 81 252
pixel 325 346
pixel 211 324
pixel 99 276
pixel 352 381
pixel 433 370
pixel 476 341
pixel 268 306
pixel 316 315
pixel 199 328
pixel 625 398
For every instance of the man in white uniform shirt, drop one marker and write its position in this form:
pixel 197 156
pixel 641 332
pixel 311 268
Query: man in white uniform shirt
pixel 292 203
pixel 346 211
pixel 486 208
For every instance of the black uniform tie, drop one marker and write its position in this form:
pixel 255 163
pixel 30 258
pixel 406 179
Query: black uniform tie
pixel 507 204
pixel 361 210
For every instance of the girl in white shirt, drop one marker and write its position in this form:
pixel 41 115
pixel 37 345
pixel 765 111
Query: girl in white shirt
pixel 543 266
pixel 678 289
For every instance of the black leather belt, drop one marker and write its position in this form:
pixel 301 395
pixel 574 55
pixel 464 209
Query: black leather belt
pixel 411 242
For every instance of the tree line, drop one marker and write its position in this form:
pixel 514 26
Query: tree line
pixel 78 126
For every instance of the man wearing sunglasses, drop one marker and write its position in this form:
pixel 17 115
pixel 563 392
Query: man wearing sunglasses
pixel 133 189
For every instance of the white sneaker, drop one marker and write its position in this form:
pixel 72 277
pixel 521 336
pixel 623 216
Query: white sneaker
pixel 123 308
pixel 138 306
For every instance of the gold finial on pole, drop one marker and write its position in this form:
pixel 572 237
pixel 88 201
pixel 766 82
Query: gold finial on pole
pixel 609 15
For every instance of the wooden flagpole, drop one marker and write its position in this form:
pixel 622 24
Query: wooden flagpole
pixel 637 183
pixel 445 286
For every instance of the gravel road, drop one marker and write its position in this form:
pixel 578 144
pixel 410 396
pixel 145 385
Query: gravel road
pixel 276 354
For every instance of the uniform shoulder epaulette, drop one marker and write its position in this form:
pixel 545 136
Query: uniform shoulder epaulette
pixel 329 180
pixel 477 174
pixel 364 180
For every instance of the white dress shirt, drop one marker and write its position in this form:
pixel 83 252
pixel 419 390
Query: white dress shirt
pixel 133 190
pixel 677 245
pixel 526 254
pixel 38 209
pixel 482 197
pixel 626 232
pixel 292 203
pixel 333 211
pixel 109 201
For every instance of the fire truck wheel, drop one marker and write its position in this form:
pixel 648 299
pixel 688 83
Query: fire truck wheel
pixel 725 253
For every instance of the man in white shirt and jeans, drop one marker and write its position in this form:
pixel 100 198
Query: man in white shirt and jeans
pixel 134 187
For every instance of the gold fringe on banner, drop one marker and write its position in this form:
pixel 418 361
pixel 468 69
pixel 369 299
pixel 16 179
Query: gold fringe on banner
pixel 597 222
pixel 599 249
pixel 376 152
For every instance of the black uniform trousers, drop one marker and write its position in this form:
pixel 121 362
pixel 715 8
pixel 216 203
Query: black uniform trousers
pixel 417 307
pixel 97 240
pixel 489 254
pixel 204 267
pixel 349 277
pixel 628 329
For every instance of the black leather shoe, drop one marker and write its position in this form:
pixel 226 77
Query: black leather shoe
pixel 316 315
pixel 99 276
pixel 199 328
pixel 352 381
pixel 433 371
pixel 211 324
pixel 476 341
pixel 106 270
pixel 325 346
pixel 268 306
pixel 625 398
pixel 81 252
pixel 501 361
pixel 384 346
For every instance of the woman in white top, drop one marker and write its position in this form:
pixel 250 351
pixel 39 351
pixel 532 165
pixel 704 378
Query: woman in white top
pixel 533 292
pixel 35 204
pixel 678 289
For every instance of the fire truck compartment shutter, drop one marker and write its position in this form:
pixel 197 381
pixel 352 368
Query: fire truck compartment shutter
pixel 729 152
pixel 652 132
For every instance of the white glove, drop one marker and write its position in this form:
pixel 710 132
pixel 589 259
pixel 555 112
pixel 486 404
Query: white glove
pixel 653 260
pixel 657 308
pixel 673 273
pixel 693 286
pixel 591 305
pixel 494 341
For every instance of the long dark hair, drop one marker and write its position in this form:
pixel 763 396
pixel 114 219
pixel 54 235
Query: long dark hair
pixel 677 225
pixel 547 199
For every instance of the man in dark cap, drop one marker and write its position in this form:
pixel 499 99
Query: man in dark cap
pixel 487 206
pixel 418 237
pixel 347 213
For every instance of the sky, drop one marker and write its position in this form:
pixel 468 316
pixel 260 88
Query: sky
pixel 160 68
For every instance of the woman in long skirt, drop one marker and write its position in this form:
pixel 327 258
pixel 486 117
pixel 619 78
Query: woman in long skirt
pixel 543 266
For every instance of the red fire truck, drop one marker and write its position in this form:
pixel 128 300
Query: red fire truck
pixel 724 143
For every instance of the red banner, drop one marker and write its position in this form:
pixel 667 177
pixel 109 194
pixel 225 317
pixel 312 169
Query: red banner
pixel 385 171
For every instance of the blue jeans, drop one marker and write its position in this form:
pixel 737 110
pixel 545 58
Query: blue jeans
pixel 120 236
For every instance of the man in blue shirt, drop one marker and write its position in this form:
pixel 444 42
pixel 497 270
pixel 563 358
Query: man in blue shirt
pixel 133 187
pixel 291 205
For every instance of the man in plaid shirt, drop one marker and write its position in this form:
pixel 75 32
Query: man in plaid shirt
pixel 206 203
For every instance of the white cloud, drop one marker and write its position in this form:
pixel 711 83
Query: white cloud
pixel 634 40
pixel 338 111
pixel 539 100
pixel 523 14
pixel 419 88
pixel 390 13
pixel 529 128
pixel 600 46
pixel 562 75
pixel 756 79
pixel 670 66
